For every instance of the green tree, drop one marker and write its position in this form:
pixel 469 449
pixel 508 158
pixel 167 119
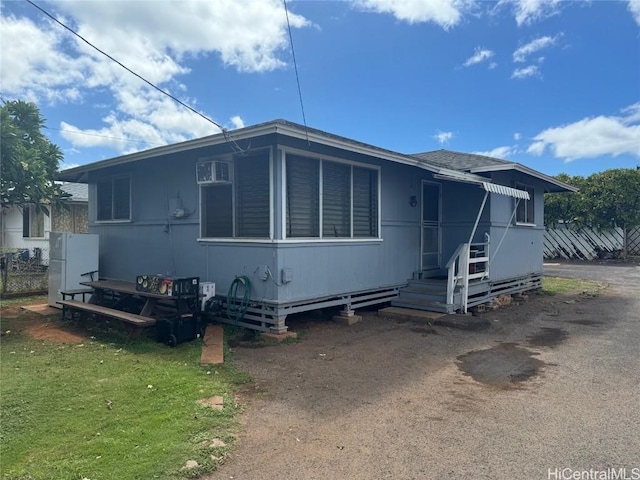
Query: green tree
pixel 612 199
pixel 565 207
pixel 28 160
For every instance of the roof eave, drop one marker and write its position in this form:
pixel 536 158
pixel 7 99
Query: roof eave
pixel 557 185
pixel 79 174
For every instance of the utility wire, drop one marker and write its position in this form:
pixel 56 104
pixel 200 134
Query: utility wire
pixel 295 66
pixel 223 129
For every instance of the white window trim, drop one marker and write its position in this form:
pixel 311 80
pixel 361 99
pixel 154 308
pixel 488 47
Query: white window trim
pixel 290 240
pixel 526 187
pixel 231 159
pixel 283 210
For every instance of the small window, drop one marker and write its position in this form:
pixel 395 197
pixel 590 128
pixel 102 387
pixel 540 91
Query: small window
pixel 114 199
pixel 217 211
pixel 365 202
pixel 336 200
pixel 32 222
pixel 303 195
pixel 525 212
pixel 238 205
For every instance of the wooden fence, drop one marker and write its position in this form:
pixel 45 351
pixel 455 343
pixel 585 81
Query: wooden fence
pixel 588 244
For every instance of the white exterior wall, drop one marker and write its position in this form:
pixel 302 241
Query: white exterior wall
pixel 12 231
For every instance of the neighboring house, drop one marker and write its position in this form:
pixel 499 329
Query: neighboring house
pixel 26 229
pixel 315 220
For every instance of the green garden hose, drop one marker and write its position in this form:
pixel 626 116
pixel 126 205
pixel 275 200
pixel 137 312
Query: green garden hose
pixel 236 311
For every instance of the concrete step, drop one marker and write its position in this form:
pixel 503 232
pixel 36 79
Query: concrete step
pixel 418 288
pixel 432 296
pixel 426 305
pixel 428 282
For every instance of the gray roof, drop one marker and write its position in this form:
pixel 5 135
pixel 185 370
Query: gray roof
pixel 459 160
pixel 79 191
pixel 453 165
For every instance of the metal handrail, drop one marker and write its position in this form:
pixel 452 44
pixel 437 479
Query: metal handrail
pixel 452 274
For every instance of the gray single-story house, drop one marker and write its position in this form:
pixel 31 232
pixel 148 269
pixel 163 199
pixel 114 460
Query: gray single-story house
pixel 313 220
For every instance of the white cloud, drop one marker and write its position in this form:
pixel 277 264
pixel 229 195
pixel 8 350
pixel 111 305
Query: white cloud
pixel 592 137
pixel 631 113
pixel 634 8
pixel 237 121
pixel 246 35
pixel 517 136
pixel 34 64
pixel 530 71
pixel 43 62
pixel 522 53
pixel 443 137
pixel 445 13
pixel 527 12
pixel 499 152
pixel 492 65
pixel 479 56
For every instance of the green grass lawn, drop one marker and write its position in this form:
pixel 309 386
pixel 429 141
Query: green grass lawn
pixel 109 408
pixel 557 285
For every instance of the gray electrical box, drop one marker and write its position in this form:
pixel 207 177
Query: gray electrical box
pixel 287 275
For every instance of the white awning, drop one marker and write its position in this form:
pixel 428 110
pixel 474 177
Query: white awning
pixel 508 191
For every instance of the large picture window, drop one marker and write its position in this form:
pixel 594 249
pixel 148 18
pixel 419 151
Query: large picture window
pixel 327 199
pixel 240 206
pixel 114 199
pixel 525 212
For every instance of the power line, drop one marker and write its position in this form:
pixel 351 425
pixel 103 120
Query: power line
pixel 223 129
pixel 295 66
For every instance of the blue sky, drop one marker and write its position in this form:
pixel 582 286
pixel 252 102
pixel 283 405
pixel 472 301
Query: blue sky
pixel 554 85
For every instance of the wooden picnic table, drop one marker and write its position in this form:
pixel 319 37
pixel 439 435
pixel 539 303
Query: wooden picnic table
pixel 120 299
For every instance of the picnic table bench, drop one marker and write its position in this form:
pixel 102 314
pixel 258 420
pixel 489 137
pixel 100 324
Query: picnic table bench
pixel 122 301
pixel 78 291
pixel 138 320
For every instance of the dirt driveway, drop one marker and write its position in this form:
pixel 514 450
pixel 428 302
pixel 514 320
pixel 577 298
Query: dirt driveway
pixel 553 384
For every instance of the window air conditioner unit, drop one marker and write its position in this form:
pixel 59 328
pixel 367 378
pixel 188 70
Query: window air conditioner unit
pixel 215 171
